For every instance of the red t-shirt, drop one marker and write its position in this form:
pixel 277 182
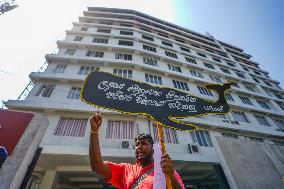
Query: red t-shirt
pixel 124 175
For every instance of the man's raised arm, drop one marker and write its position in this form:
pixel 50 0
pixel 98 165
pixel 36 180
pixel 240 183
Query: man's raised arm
pixel 97 164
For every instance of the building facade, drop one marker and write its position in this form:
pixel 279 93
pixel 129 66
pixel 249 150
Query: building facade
pixel 137 46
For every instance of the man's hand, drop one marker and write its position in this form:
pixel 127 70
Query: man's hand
pixel 96 121
pixel 167 164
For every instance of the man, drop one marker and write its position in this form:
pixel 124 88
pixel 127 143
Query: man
pixel 127 176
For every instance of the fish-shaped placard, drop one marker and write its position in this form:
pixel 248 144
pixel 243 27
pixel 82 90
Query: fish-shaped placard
pixel 162 104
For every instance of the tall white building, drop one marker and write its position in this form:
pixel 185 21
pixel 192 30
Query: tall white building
pixel 242 149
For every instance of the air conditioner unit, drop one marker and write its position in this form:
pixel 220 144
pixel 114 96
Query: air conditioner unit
pixel 125 144
pixel 193 148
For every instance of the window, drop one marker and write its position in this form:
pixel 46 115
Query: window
pixel 149 48
pixel 184 49
pixel 225 70
pixel 263 104
pixel 278 96
pixel 167 43
pixel 190 60
pixel 210 66
pixel 106 23
pixel 245 100
pixel 240 116
pixel 150 61
pixel 231 64
pixel 216 79
pixel 267 83
pixel 59 68
pixel 126 32
pixel 147 37
pixel 230 135
pixel 70 51
pixel 171 54
pixel 120 130
pixel 240 75
pixel 146 29
pixel 180 85
pixel 245 68
pixel 126 25
pixel 179 40
pixel 249 88
pixel 201 54
pixel 123 73
pixel 123 56
pixel 256 72
pixel 94 53
pixel 45 90
pixel 153 79
pixel 281 105
pixel 216 59
pixel 196 73
pixel 169 136
pixel 74 93
pixel 174 67
pixel 126 43
pixel 267 91
pixel 228 96
pixel 71 127
pixel 255 79
pixel 279 123
pixel 204 91
pixel 234 84
pixel 85 70
pixel 84 28
pixel 261 120
pixel 78 38
pixel 202 138
pixel 163 35
pixel 100 40
pixel 103 30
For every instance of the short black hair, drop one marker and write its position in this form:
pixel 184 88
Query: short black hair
pixel 145 136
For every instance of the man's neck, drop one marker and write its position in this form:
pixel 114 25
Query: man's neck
pixel 146 163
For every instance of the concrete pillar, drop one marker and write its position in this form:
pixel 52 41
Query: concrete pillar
pixel 48 179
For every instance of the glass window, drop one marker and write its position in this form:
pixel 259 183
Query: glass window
pixel 210 66
pixel 123 73
pixel 169 136
pixel 120 130
pixel 204 91
pixel 150 61
pixel 174 68
pixel 202 138
pixel 71 127
pixel 60 68
pixel 240 116
pixel 153 79
pixel 245 100
pixel 45 90
pixel 180 85
pixel 74 93
pixel 262 120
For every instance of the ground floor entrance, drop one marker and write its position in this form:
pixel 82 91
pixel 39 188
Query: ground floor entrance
pixel 73 172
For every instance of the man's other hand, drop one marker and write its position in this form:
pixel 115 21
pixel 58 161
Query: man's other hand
pixel 167 164
pixel 96 121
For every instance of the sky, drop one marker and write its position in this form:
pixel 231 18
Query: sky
pixel 30 31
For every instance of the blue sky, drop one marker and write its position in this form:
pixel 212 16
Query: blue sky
pixel 31 30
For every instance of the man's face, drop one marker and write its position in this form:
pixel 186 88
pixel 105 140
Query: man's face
pixel 143 150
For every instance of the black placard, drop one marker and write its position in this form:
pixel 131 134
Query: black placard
pixel 162 104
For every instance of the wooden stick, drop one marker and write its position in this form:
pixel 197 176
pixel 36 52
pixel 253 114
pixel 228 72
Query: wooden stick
pixel 163 149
